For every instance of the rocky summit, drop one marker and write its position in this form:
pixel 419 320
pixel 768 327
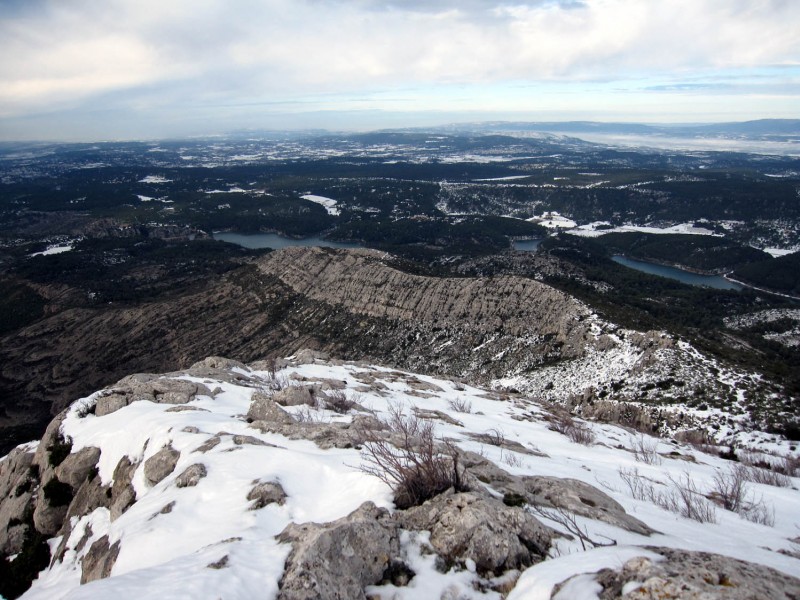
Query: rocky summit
pixel 313 477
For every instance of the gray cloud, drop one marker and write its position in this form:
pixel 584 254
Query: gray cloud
pixel 149 57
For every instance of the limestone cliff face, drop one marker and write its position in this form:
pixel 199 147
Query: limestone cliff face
pixel 360 282
pixel 350 303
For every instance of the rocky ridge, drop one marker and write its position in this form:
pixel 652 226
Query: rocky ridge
pixel 273 449
pixel 516 332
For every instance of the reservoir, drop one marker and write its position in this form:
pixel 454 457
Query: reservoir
pixel 712 281
pixel 526 245
pixel 276 242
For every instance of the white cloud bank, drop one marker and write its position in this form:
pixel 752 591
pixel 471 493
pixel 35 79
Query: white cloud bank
pixel 208 58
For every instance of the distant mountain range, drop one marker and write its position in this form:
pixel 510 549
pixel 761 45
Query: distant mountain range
pixel 758 129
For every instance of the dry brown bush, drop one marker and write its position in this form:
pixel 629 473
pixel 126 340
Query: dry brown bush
pixel 410 459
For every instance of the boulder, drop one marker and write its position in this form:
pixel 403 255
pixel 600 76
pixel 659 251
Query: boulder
pixel 686 575
pixel 161 464
pixel 582 499
pixel 99 560
pixel 337 560
pixel 76 467
pixel 266 492
pixel 17 484
pixel 295 395
pixel 264 408
pixel 122 492
pixel 191 476
pixel 152 388
pixel 468 526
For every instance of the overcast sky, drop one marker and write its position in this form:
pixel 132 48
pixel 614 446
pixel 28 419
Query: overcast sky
pixel 117 69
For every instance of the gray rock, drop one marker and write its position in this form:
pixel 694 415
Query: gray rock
pixel 582 499
pixel 249 440
pixel 48 519
pixel 77 466
pixel 422 413
pixel 191 476
pixel 306 356
pixel 295 395
pixel 161 464
pixel 91 495
pixel 464 526
pixel 324 435
pixel 264 408
pixel 685 575
pixel 337 560
pixel 209 444
pixel 266 492
pixel 110 403
pixel 149 387
pixel 99 560
pixel 218 363
pixel 122 493
pixel 16 489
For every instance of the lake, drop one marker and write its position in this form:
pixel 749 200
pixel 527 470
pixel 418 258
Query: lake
pixel 712 281
pixel 275 241
pixel 526 245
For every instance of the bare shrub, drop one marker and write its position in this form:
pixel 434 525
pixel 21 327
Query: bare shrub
pixel 681 496
pixel 337 401
pixel 564 423
pixel 461 405
pixel 766 477
pixel 511 459
pixel 494 437
pixel 685 499
pixel 789 466
pixel 639 487
pixel 645 450
pixel 620 413
pixel 732 492
pixel 410 460
pixel 768 469
pixel 306 414
pixel 569 522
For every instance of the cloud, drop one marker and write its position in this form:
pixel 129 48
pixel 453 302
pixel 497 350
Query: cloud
pixel 149 54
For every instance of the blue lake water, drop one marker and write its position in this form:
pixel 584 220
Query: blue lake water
pixel 275 241
pixel 712 281
pixel 526 245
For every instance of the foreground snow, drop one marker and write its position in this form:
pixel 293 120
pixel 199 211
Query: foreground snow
pixel 171 553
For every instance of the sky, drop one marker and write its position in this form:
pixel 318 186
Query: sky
pixel 134 69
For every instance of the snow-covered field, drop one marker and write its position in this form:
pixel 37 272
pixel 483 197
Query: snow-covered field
pixel 155 179
pixel 553 220
pixel 603 227
pixel 165 553
pixel 57 249
pixel 328 203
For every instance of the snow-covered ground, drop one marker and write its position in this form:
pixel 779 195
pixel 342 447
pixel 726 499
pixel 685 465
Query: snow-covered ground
pixel 602 227
pixel 165 553
pixel 328 203
pixel 155 179
pixel 57 249
pixel 554 220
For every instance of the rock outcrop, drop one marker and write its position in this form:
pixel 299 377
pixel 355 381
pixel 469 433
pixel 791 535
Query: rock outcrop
pixel 684 575
pixel 338 560
pixel 467 526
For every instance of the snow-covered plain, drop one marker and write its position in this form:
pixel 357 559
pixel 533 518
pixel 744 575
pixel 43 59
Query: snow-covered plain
pixel 603 227
pixel 57 249
pixel 166 554
pixel 328 203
